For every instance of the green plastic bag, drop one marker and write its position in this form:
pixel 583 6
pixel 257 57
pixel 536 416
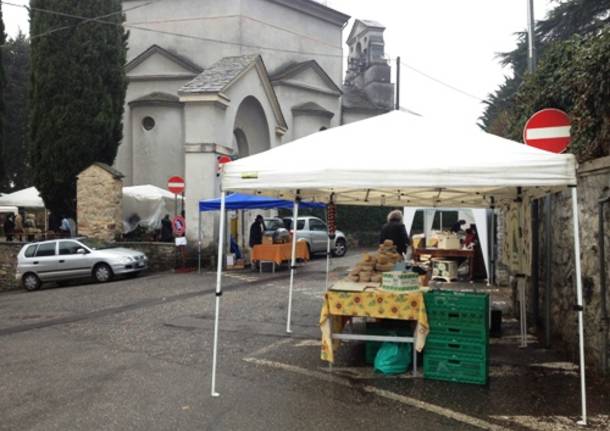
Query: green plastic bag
pixel 393 358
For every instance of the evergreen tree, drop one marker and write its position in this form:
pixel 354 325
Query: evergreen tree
pixel 3 180
pixel 16 59
pixel 78 91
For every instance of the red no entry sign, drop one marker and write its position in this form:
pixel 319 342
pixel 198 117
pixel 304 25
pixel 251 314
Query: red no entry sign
pixel 548 130
pixel 175 185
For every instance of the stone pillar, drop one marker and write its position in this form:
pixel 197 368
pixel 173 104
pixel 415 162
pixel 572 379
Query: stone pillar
pixel 99 192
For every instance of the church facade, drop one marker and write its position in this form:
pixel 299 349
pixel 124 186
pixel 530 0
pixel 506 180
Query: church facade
pixel 209 78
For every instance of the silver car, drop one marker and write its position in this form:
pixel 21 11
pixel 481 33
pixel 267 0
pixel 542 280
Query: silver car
pixel 314 231
pixel 66 259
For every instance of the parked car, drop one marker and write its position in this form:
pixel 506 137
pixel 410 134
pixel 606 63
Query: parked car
pixel 75 258
pixel 314 231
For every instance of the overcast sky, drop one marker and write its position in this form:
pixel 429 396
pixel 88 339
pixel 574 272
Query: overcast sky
pixel 453 41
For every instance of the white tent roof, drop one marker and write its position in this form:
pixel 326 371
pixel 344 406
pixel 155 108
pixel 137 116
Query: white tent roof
pixel 401 159
pixel 28 198
pixel 147 192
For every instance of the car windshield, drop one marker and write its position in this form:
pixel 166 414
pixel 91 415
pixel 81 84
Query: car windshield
pixel 96 244
pixel 273 224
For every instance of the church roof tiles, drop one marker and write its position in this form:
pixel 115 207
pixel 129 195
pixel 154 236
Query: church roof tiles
pixel 219 75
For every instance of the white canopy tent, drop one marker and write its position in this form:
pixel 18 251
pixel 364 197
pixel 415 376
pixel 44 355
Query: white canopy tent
pixel 399 159
pixel 149 203
pixel 27 198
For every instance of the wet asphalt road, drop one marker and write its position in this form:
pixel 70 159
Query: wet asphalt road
pixel 136 354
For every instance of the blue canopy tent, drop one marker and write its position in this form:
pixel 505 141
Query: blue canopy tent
pixel 238 201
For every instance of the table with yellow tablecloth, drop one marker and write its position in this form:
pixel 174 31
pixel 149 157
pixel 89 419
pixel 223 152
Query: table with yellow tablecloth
pixel 279 253
pixel 339 306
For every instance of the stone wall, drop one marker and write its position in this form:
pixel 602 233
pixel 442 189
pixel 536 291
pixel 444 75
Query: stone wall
pixel 593 183
pixel 99 195
pixel 161 255
pixel 8 264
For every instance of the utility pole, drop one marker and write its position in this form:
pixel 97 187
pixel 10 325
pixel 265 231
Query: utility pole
pixel 531 29
pixel 397 83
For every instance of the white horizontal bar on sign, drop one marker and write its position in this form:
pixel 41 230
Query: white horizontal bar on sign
pixel 548 132
pixel 175 184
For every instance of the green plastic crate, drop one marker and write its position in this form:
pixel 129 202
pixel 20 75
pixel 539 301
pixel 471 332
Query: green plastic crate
pixel 462 369
pixel 457 347
pixel 450 300
pixel 465 316
pixel 450 329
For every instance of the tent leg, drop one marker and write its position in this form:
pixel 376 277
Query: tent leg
pixel 295 216
pixel 199 242
pixel 327 259
pixel 579 306
pixel 218 290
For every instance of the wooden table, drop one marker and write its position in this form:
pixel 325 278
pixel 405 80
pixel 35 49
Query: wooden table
pixel 278 253
pixel 458 253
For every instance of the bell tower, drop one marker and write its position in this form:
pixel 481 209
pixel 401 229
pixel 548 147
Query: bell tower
pixel 368 69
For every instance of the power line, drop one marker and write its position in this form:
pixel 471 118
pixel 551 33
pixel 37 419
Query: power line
pixel 438 81
pixel 225 42
pixel 175 34
pixel 67 27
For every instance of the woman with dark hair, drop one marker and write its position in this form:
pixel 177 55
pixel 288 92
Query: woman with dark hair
pixel 396 231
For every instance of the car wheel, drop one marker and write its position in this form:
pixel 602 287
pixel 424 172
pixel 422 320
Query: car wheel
pixel 340 248
pixel 102 273
pixel 31 282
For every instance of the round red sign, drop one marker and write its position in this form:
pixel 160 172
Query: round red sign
pixel 179 225
pixel 175 185
pixel 548 129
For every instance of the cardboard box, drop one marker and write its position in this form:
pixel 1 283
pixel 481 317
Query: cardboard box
pixel 448 242
pixel 267 239
pixel 400 281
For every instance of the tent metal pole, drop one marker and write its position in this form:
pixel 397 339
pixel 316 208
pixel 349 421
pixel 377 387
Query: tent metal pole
pixel 218 290
pixel 199 242
pixel 579 306
pixel 295 215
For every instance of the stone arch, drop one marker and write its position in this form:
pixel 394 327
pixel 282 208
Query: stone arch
pixel 251 129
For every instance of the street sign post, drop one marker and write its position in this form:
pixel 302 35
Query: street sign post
pixel 548 129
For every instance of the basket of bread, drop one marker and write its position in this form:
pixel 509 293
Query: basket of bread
pixel 372 265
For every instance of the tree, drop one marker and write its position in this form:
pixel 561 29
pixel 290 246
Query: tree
pixel 573 74
pixel 78 92
pixel 16 60
pixel 3 182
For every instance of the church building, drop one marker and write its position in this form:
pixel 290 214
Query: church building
pixel 209 78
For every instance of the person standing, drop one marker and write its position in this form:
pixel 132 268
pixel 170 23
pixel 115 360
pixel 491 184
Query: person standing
pixel 9 227
pixel 256 231
pixel 18 220
pixel 166 229
pixel 396 231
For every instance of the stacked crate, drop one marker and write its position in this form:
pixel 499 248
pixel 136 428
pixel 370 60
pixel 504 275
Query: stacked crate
pixel 457 347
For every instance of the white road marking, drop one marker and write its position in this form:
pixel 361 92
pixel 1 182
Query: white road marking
pixel 271 346
pixel 422 405
pixel 308 343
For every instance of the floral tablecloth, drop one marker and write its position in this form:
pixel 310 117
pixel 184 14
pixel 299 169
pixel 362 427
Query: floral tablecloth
pixel 338 307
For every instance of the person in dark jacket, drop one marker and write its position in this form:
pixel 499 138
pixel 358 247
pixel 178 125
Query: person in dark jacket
pixel 167 234
pixel 256 231
pixel 395 230
pixel 9 227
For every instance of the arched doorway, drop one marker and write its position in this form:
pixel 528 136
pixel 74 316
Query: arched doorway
pixel 251 129
pixel 240 142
